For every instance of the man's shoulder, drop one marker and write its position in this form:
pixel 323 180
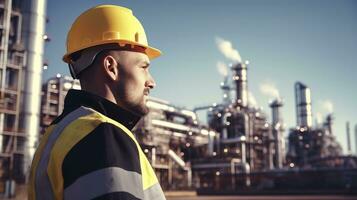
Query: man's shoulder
pixel 106 138
pixel 106 146
pixel 84 122
pixel 107 129
pixel 88 115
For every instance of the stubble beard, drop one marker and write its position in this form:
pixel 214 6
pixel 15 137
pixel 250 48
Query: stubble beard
pixel 135 106
pixel 141 108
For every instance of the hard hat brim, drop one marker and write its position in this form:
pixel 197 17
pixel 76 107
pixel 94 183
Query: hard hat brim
pixel 151 52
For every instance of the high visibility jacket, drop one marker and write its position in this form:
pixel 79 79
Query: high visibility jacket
pixel 89 153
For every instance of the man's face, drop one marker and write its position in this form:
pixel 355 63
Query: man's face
pixel 134 82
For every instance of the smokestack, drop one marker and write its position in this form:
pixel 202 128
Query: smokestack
pixel 226 91
pixel 276 114
pixel 277 130
pixel 356 137
pixel 303 105
pixel 328 123
pixel 240 80
pixel 34 19
pixel 348 138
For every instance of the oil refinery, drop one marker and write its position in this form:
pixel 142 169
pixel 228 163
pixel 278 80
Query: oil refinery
pixel 237 151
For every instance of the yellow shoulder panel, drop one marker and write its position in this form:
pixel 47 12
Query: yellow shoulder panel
pixel 70 136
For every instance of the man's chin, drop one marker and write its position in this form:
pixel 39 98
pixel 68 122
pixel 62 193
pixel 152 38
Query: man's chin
pixel 141 111
pixel 145 110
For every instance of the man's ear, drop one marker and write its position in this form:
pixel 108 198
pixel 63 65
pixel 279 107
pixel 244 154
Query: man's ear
pixel 110 67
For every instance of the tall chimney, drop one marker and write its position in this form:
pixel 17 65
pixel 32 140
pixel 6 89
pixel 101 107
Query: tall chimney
pixel 240 80
pixel 303 105
pixel 226 91
pixel 356 137
pixel 348 138
pixel 277 130
pixel 34 18
pixel 328 124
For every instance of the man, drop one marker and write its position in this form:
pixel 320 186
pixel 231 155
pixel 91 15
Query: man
pixel 88 152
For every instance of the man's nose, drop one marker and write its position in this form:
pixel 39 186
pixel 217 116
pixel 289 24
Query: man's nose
pixel 150 82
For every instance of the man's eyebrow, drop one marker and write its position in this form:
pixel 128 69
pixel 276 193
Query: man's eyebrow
pixel 144 62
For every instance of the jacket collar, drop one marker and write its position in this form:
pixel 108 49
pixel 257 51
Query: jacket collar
pixel 77 98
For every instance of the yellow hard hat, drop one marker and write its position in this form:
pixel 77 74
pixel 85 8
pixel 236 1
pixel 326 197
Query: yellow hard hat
pixel 107 24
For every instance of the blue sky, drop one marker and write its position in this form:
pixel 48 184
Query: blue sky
pixel 285 41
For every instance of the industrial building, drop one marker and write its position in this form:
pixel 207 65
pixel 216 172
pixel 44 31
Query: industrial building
pixel 251 154
pixel 12 63
pixel 53 93
pixel 21 50
pixel 308 144
pixel 247 142
pixel 172 137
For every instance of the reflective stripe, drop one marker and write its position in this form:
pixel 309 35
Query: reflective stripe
pixel 111 179
pixel 81 127
pixel 154 192
pixel 42 183
pixel 36 160
pixel 148 175
pixel 151 186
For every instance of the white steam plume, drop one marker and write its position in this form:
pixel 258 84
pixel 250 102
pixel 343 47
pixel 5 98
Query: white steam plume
pixel 326 106
pixel 251 100
pixel 222 68
pixel 269 89
pixel 319 118
pixel 227 50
